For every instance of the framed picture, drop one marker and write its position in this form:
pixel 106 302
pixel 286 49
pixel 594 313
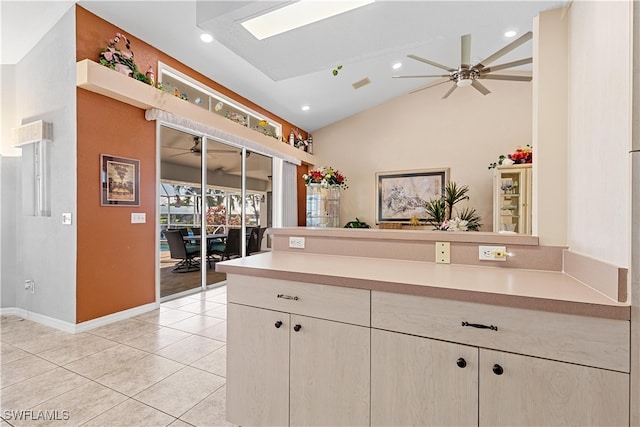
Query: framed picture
pixel 120 179
pixel 402 195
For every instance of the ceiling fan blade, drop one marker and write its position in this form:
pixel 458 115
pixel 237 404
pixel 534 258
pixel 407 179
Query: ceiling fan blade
pixel 176 155
pixel 436 83
pixel 435 64
pixel 217 150
pixel 507 65
pixel 418 77
pixel 507 77
pixel 174 148
pixel 483 90
pixel 508 48
pixel 451 89
pixel 465 51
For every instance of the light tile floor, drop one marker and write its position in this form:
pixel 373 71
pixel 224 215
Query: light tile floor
pixel 166 367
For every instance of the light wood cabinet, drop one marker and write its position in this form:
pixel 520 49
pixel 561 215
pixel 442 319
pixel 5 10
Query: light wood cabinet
pixel 426 382
pixel 329 368
pixel 311 354
pixel 285 368
pixel 512 199
pixel 536 392
pixel 258 364
pixel 509 389
pixel 418 381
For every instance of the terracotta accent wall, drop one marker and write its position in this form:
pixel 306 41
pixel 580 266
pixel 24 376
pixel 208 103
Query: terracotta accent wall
pixel 302 196
pixel 116 259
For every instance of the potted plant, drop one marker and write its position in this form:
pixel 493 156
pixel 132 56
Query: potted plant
pixel 440 212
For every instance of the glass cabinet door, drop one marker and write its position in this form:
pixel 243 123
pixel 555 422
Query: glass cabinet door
pixel 512 199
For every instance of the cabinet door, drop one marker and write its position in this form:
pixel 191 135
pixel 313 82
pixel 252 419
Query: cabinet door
pixel 330 375
pixel 257 366
pixel 512 199
pixel 537 392
pixel 420 381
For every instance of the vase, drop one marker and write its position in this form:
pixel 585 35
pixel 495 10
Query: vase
pixel 323 206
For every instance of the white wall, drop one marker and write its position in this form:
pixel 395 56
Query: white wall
pixel 45 89
pixel 550 128
pixel 464 132
pixel 599 179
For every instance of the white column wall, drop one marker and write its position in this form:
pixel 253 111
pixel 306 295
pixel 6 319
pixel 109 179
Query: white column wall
pixel 598 176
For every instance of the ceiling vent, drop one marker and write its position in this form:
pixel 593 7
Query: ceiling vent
pixel 32 132
pixel 360 83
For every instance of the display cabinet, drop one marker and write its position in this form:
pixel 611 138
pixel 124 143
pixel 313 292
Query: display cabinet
pixel 194 92
pixel 512 199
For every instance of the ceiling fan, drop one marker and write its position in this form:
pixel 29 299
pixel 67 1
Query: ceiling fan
pixel 196 149
pixel 467 74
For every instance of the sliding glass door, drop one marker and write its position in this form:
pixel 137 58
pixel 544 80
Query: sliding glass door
pixel 217 197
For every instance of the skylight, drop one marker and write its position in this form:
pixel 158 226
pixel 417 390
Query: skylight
pixel 296 15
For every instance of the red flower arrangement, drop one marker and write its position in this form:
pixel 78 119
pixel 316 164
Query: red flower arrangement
pixel 326 176
pixel 521 155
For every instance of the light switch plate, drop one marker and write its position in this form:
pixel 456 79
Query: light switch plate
pixel 138 218
pixel 443 252
pixel 66 218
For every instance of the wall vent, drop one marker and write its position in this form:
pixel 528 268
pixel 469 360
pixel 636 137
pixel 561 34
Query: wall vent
pixel 32 132
pixel 360 83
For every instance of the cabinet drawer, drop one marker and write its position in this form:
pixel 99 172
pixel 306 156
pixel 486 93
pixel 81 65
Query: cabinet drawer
pixel 590 341
pixel 346 305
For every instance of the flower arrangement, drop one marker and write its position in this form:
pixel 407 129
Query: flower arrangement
pixel 521 155
pixel 122 60
pixel 327 177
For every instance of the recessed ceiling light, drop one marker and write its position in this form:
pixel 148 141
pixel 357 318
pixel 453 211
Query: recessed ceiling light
pixel 205 37
pixel 509 33
pixel 305 108
pixel 296 15
pixel 396 65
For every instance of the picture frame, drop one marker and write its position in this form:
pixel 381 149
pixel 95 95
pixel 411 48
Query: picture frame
pixel 120 181
pixel 401 195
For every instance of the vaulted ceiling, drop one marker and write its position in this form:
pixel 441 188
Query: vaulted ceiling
pixel 287 71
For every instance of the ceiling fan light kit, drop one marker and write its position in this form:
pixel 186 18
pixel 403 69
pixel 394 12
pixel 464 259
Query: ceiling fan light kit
pixel 468 75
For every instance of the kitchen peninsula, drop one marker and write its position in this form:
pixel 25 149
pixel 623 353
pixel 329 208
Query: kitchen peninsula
pixel 358 338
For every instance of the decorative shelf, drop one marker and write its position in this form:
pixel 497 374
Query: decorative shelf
pixel 99 79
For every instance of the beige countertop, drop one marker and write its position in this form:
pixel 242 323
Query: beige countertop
pixel 528 289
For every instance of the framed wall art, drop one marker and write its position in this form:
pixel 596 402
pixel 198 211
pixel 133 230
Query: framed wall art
pixel 120 180
pixel 402 195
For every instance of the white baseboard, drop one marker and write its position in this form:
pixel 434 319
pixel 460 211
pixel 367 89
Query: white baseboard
pixel 79 327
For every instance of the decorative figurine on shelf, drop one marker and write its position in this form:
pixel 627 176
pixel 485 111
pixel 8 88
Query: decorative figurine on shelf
pixel 121 60
pixel 292 138
pixel 310 144
pixel 151 76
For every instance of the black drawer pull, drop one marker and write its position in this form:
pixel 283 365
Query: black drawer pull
pixel 278 323
pixel 297 328
pixel 497 369
pixel 479 326
pixel 461 363
pixel 283 296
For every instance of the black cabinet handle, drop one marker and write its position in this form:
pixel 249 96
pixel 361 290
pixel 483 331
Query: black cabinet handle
pixel 297 328
pixel 461 363
pixel 497 369
pixel 479 326
pixel 283 296
pixel 278 323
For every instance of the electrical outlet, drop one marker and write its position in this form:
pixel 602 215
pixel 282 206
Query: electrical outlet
pixel 443 252
pixel 296 242
pixel 30 285
pixel 492 253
